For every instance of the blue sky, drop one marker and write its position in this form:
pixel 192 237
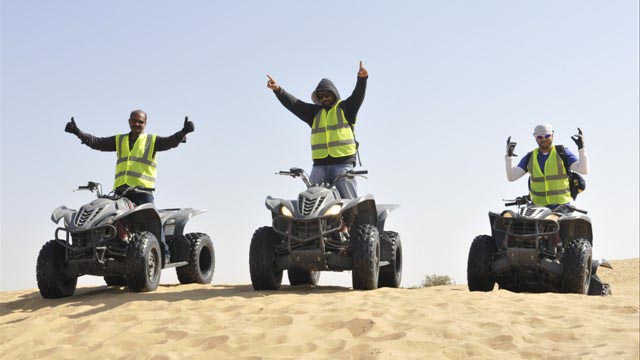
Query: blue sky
pixel 449 82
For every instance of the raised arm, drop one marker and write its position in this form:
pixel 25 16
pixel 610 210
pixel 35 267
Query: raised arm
pixel 352 103
pixel 304 111
pixel 513 172
pixel 582 164
pixel 96 143
pixel 169 142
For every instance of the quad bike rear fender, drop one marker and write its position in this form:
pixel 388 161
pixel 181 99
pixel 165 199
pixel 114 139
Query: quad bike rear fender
pixel 383 211
pixel 175 220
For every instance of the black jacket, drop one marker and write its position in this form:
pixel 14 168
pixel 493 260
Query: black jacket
pixel 109 143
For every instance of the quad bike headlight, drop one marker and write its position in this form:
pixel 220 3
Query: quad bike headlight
pixel 507 214
pixel 333 210
pixel 553 217
pixel 285 211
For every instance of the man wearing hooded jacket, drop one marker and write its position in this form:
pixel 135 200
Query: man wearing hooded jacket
pixel 332 120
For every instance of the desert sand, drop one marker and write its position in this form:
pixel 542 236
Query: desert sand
pixel 234 321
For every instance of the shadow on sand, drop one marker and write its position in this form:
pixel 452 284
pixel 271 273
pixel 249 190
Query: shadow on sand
pixel 103 298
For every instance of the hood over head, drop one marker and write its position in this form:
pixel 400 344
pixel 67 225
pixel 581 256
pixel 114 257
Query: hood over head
pixel 324 84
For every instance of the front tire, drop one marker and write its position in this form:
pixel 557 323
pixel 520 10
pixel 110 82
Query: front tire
pixel 52 282
pixel 265 275
pixel 143 263
pixel 366 257
pixel 391 275
pixel 299 276
pixel 479 277
pixel 202 260
pixel 576 276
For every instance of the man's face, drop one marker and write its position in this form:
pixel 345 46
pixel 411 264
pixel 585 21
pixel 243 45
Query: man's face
pixel 326 97
pixel 544 141
pixel 137 122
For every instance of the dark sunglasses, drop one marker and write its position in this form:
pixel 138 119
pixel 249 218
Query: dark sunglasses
pixel 544 136
pixel 324 95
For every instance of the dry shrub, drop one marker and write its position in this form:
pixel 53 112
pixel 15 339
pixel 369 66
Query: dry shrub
pixel 436 280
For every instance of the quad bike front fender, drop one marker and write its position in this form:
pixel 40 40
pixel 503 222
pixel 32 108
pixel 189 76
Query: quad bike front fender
pixel 62 212
pixel 364 207
pixel 273 204
pixel 144 217
pixel 578 226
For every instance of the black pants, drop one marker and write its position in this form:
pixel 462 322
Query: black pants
pixel 139 198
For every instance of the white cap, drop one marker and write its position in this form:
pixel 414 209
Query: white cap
pixel 542 129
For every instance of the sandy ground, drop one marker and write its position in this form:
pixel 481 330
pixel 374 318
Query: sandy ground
pixel 233 321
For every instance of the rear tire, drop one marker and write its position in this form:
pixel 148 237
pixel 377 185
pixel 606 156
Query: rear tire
pixel 143 263
pixel 115 280
pixel 365 245
pixel 262 260
pixel 576 276
pixel 391 275
pixel 52 282
pixel 298 276
pixel 202 260
pixel 479 277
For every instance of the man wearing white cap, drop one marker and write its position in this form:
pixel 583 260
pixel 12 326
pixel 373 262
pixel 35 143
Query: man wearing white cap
pixel 549 181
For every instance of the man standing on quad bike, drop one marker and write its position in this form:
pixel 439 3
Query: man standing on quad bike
pixel 136 152
pixel 332 121
pixel 549 178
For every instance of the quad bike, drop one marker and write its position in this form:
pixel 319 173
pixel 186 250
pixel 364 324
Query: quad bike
pixel 536 249
pixel 126 244
pixel 320 231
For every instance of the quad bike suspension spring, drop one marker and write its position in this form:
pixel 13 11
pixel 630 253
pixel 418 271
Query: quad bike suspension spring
pixel 349 219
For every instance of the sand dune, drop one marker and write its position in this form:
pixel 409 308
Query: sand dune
pixel 233 321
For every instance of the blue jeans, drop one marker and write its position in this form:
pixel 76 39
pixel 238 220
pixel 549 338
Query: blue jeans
pixel 137 197
pixel 326 173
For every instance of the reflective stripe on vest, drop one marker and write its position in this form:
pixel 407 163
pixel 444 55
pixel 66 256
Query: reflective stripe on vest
pixel 136 166
pixel 331 134
pixel 552 187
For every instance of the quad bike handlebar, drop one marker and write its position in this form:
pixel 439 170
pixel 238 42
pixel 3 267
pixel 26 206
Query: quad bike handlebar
pixel 526 200
pixel 520 200
pixel 97 188
pixel 298 172
pixel 92 186
pixel 351 174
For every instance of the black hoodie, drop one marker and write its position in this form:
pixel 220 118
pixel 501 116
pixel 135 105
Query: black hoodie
pixel 307 112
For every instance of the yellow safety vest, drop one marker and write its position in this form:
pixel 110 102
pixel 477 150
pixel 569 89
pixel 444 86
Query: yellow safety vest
pixel 552 186
pixel 331 134
pixel 135 167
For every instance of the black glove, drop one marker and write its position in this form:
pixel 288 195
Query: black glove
pixel 72 127
pixel 578 139
pixel 188 125
pixel 510 147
